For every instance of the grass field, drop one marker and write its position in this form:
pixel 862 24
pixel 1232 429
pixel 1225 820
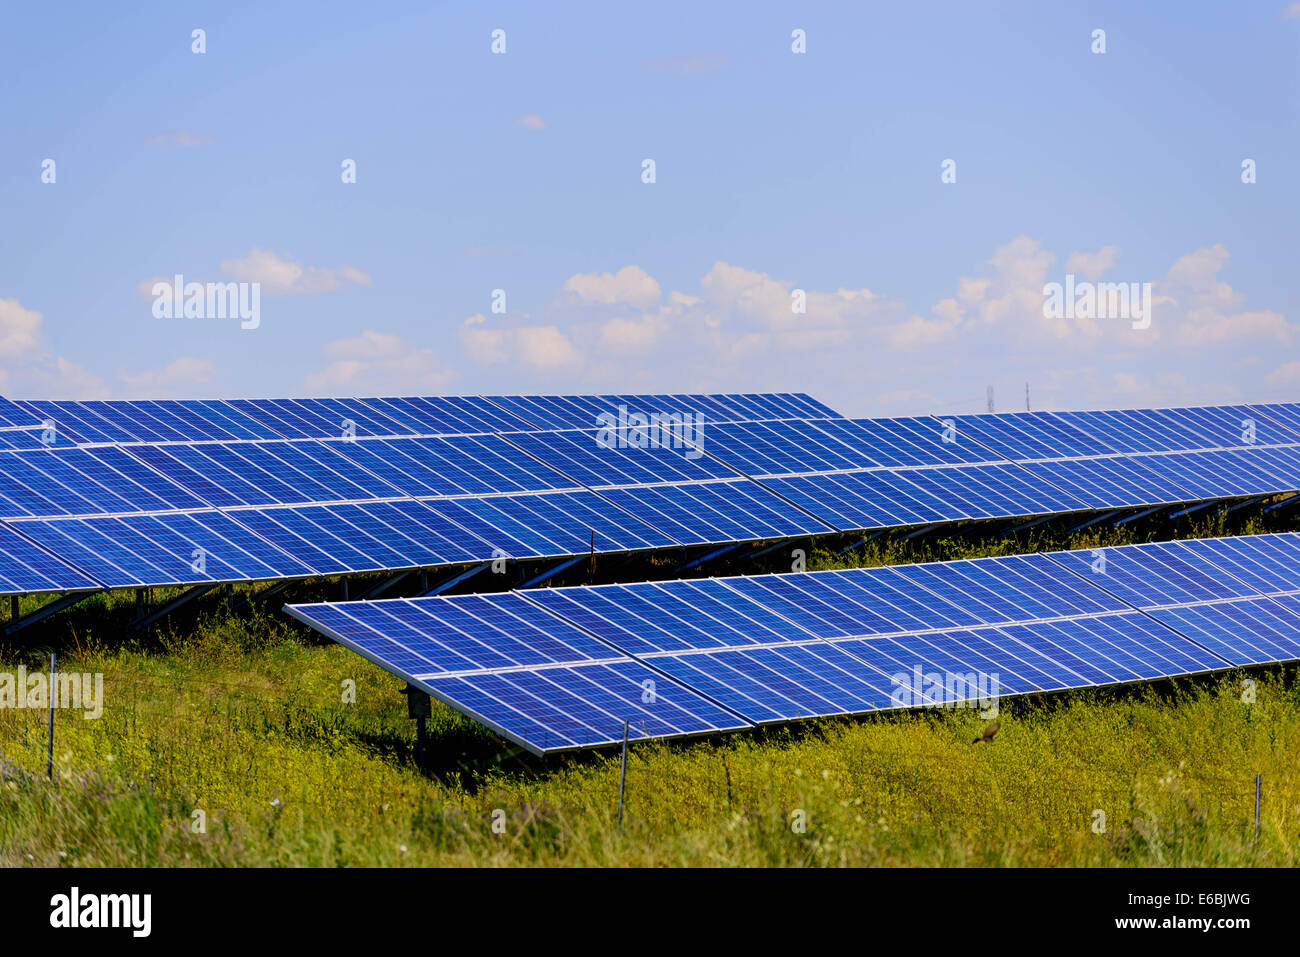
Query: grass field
pixel 231 744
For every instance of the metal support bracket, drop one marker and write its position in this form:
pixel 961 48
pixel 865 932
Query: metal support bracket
pixel 456 579
pixel 15 625
pixel 554 570
pixel 183 599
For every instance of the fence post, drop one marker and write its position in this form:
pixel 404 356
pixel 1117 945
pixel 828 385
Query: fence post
pixel 1259 787
pixel 622 776
pixel 49 767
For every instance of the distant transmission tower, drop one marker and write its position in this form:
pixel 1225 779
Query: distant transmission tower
pixel 1026 396
pixel 989 393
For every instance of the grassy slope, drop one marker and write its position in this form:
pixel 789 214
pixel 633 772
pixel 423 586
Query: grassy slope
pixel 243 719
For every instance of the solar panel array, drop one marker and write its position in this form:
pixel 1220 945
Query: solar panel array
pixel 563 668
pixel 140 494
pixel 864 474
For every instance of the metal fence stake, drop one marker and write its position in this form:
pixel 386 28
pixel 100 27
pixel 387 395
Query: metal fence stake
pixel 1259 787
pixel 622 776
pixel 49 767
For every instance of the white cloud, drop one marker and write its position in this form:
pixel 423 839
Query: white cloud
pixel 20 330
pixel 482 343
pixel 64 379
pixel 630 286
pixel 178 378
pixel 283 277
pixel 530 121
pixel 1287 375
pixel 546 348
pixel 1204 310
pixel 533 348
pixel 737 330
pixel 379 363
pixel 179 139
pixel 1292 11
pixel 1092 265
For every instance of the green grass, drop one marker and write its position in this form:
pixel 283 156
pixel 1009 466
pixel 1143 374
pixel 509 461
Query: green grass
pixel 242 717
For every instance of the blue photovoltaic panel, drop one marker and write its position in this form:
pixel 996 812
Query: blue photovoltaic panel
pixel 583 411
pixel 113 553
pixel 864 500
pixel 716 512
pixel 233 545
pixel 200 475
pixel 1112 482
pixel 1128 430
pixel 182 420
pixel 22 439
pixel 1209 475
pixel 780 647
pixel 14 415
pixel 519 670
pixel 993 491
pixel 471 633
pixel 593 459
pixel 806 406
pixel 340 417
pixel 175 549
pixel 563 523
pixel 1267 563
pixel 479 463
pixel 1155 574
pixel 1246 632
pixel 583 706
pixel 1020 436
pixel 71 423
pixel 371 537
pixel 782 684
pixel 780 448
pixel 1285 415
pixel 24 567
pixel 909 442
pixel 1226 426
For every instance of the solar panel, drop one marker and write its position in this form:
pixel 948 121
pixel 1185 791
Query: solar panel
pixel 485 479
pixel 753 650
pixel 25 567
pixel 1245 632
pixel 1020 436
pixel 589 458
pixel 716 512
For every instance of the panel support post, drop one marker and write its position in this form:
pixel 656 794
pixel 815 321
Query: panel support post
pixel 419 707
pixel 13 607
pixel 1259 787
pixel 49 767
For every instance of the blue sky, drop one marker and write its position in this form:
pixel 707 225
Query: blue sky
pixel 775 171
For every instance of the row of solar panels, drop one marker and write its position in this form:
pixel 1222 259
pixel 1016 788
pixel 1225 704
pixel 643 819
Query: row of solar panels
pixel 563 668
pixel 35 423
pixel 911 458
pixel 184 513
